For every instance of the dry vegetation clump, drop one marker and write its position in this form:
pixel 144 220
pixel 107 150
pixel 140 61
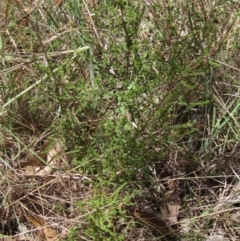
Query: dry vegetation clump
pixel 119 120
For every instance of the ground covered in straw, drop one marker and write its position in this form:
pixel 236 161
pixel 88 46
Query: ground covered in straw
pixel 119 120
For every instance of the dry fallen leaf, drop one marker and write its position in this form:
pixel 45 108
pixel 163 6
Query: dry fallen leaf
pixel 44 233
pixel 151 219
pixel 169 206
pixel 51 155
pixel 50 159
pixel 50 234
pixel 37 221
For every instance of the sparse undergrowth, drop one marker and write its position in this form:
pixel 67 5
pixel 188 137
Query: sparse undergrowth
pixel 120 120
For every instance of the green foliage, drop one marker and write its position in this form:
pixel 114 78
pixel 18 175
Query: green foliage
pixel 152 79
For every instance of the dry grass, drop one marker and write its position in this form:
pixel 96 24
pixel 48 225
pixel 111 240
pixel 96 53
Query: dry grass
pixel 143 98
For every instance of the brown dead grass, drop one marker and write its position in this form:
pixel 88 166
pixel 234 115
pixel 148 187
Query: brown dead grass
pixel 206 199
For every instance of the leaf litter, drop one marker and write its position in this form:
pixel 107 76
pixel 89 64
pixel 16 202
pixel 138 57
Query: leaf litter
pixel 42 191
